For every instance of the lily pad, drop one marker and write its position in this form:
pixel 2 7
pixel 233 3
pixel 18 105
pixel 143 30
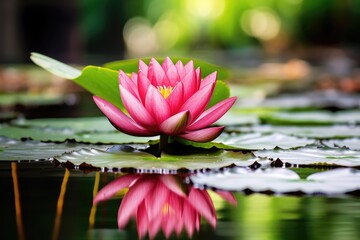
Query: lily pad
pixel 254 141
pixel 86 124
pixel 318 132
pixel 314 156
pixel 313 118
pixel 144 161
pixel 236 118
pixel 61 135
pixel 13 150
pixel 333 182
pixel 31 99
pixel 351 143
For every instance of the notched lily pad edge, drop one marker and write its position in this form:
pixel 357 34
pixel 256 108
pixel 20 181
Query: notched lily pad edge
pixel 247 191
pixel 86 167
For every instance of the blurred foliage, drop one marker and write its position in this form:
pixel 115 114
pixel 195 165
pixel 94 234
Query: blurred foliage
pixel 157 26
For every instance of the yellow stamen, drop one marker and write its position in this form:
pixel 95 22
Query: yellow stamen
pixel 167 209
pixel 165 91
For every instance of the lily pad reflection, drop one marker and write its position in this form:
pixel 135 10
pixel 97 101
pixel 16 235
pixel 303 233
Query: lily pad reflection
pixel 140 160
pixel 314 156
pixel 278 180
pixel 318 132
pixel 13 150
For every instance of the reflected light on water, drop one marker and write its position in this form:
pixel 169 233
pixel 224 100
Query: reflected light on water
pixel 162 202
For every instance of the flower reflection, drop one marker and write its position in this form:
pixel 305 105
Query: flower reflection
pixel 161 202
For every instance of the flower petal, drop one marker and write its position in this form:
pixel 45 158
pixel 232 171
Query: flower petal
pixel 137 110
pixel 156 104
pixel 143 86
pixel 173 184
pixel 198 77
pixel 175 99
pixel 128 83
pixel 156 199
pixel 132 199
pixel 211 78
pixel 189 67
pixel 175 124
pixel 171 214
pixel 170 71
pixel 142 221
pixel 189 216
pixel 197 103
pixel 120 120
pixel 156 74
pixel 190 84
pixel 180 68
pixel 143 68
pixel 202 135
pixel 200 200
pixel 115 186
pixel 154 227
pixel 212 114
pixel 228 196
pixel 167 63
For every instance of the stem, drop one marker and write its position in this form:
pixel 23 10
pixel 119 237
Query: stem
pixel 163 144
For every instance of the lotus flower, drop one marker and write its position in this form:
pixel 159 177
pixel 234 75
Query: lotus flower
pixel 161 202
pixel 167 100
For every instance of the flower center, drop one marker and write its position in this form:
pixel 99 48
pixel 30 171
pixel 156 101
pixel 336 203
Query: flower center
pixel 165 91
pixel 167 209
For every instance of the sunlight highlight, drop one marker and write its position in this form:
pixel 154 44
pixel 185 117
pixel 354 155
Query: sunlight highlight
pixel 261 23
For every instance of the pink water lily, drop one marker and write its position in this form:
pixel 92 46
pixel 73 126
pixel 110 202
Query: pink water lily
pixel 161 202
pixel 167 100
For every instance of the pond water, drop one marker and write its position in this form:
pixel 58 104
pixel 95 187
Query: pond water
pixel 42 201
pixel 285 167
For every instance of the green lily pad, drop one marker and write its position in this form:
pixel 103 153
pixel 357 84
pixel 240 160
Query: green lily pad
pixel 314 156
pixel 236 118
pixel 48 134
pixel 313 118
pixel 144 161
pixel 333 182
pixel 351 143
pixel 318 132
pixel 86 124
pixel 13 150
pixel 30 99
pixel 253 141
